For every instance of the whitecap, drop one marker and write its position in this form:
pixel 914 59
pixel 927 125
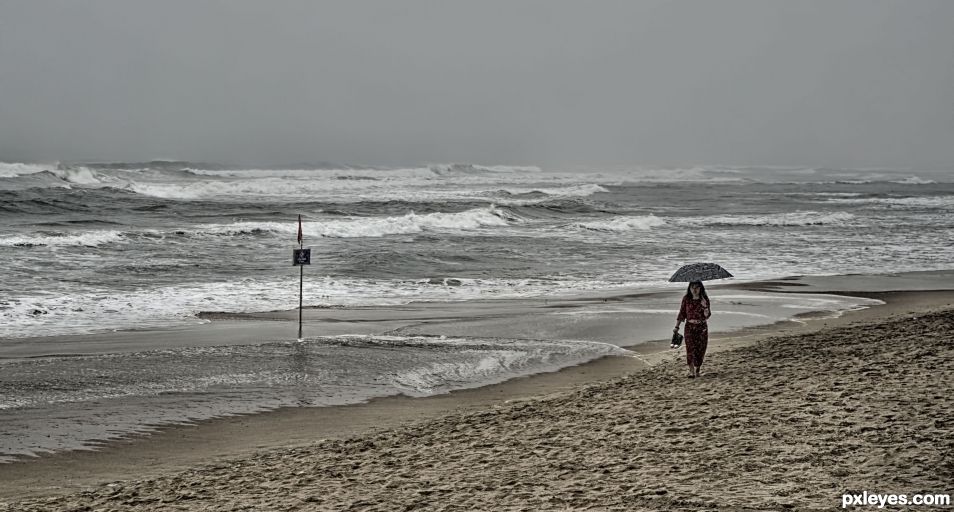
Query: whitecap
pixel 86 238
pixel 374 226
pixel 915 180
pixel 620 224
pixel 909 202
pixel 14 169
pixel 804 218
pixel 79 176
pixel 568 191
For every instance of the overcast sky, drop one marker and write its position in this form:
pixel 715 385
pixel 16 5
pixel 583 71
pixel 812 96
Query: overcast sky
pixel 821 83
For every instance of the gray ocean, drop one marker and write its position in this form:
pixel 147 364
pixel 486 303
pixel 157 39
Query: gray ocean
pixel 96 248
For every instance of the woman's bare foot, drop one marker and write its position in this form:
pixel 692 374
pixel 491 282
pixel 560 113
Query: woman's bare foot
pixel 698 372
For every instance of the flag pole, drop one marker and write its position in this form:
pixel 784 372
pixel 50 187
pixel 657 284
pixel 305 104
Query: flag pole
pixel 301 282
pixel 301 292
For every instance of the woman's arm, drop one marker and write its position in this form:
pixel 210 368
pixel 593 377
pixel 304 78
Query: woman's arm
pixel 682 314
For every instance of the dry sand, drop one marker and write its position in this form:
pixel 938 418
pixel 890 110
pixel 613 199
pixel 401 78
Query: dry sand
pixel 794 421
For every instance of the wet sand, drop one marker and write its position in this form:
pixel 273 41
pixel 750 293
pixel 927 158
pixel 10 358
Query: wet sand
pixel 644 405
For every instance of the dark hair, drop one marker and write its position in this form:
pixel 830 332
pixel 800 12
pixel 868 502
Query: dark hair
pixel 702 290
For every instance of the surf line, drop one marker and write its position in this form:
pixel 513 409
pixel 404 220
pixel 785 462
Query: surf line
pixel 300 258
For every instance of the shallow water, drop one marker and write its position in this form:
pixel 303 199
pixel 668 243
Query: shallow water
pixel 76 401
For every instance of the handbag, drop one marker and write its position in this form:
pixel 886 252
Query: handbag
pixel 676 339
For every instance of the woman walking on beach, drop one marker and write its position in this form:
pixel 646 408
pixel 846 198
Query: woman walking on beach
pixel 695 311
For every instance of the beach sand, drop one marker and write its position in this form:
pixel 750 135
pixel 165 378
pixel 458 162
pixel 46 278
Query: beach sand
pixel 790 415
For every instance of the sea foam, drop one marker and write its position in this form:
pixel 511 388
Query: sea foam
pixel 495 361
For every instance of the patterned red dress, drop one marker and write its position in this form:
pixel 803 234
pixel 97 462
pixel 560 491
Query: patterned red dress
pixel 697 334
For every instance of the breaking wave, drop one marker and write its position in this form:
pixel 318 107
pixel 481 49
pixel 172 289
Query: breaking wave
pixel 569 191
pixel 942 202
pixel 13 170
pixel 83 239
pixel 621 224
pixel 778 219
pixel 479 170
pixel 376 226
pixel 915 180
pixel 363 189
pixel 350 228
pixel 213 189
pixel 80 176
pixel 479 362
pixel 164 306
pixel 883 178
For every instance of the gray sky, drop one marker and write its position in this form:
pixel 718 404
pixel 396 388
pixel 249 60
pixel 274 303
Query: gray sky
pixel 848 83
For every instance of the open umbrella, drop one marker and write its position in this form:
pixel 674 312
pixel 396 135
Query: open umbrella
pixel 699 272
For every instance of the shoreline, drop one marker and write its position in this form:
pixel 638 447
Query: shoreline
pixel 795 422
pixel 177 447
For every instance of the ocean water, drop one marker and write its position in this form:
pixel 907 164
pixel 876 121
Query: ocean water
pixel 99 247
pixel 95 248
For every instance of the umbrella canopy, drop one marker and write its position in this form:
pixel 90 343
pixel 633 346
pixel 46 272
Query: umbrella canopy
pixel 699 272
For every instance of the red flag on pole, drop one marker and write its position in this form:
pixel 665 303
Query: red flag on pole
pixel 299 229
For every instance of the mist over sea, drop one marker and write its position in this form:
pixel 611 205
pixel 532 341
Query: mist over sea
pixel 97 248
